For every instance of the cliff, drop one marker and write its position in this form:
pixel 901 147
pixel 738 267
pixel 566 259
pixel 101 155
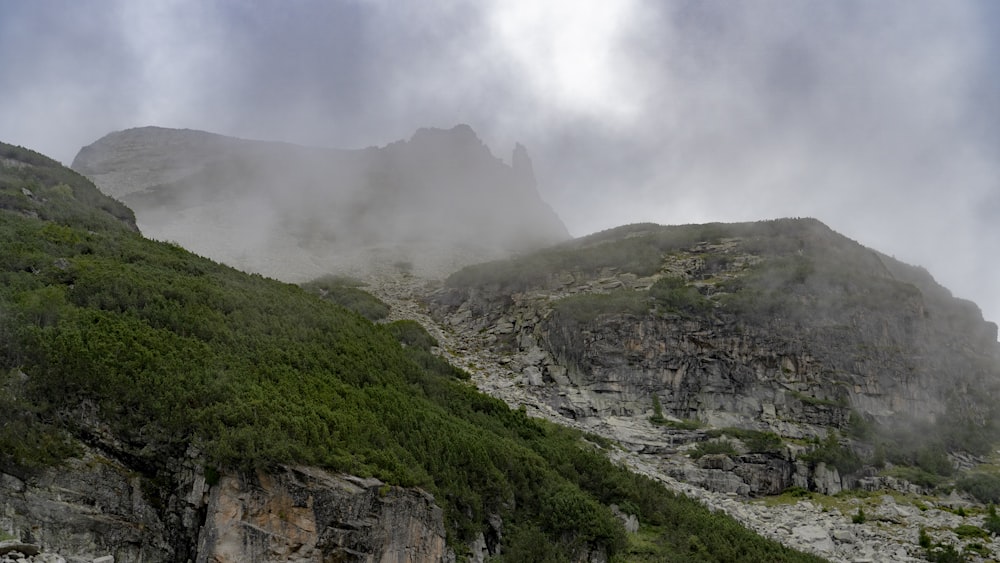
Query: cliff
pixel 781 327
pixel 159 406
pixel 95 506
pixel 437 201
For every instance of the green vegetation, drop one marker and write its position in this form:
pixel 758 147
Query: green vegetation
pixel 924 539
pixel 170 349
pixel 816 401
pixel 411 333
pixel 983 486
pixel 970 531
pixel 674 295
pixel 916 475
pixel 657 417
pixel 345 292
pixel 36 186
pixel 944 553
pixel 859 517
pixel 713 447
pixel 992 522
pixel 834 454
pixel 586 307
pixel 637 249
pixel 755 441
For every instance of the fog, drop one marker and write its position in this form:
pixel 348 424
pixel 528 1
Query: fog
pixel 880 119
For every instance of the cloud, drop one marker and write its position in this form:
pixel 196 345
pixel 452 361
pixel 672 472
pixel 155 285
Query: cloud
pixel 878 118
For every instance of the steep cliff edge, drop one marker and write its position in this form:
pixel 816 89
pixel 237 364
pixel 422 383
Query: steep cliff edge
pixel 435 202
pixel 94 506
pixel 780 327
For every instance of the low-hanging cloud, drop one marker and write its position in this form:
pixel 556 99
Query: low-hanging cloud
pixel 879 119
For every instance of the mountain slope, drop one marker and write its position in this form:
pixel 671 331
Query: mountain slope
pixel 436 201
pixel 165 382
pixel 782 327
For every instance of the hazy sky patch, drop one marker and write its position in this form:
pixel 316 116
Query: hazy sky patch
pixel 881 119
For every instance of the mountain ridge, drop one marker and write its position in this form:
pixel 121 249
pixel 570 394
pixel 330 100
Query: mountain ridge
pixel 159 406
pixel 695 347
pixel 438 200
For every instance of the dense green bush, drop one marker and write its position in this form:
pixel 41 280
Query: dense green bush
pixel 992 521
pixel 713 447
pixel 756 441
pixel 916 476
pixel 589 306
pixel 983 486
pixel 345 291
pixel 674 295
pixel 834 454
pixel 411 333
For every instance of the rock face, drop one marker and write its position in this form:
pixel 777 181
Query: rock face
pixel 305 514
pixel 779 326
pixel 896 509
pixel 90 508
pixel 97 507
pixel 436 202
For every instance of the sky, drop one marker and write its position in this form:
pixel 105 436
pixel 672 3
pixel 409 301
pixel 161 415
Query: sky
pixel 881 119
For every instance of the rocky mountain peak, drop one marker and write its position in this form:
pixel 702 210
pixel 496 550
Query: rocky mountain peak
pixel 436 202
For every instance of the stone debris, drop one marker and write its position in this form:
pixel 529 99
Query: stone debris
pixel 14 551
pixel 889 534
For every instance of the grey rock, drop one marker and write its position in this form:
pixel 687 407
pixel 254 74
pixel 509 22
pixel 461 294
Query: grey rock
pixel 843 536
pixel 533 376
pixel 9 547
pixel 716 461
pixel 815 537
pixel 307 513
pixel 826 479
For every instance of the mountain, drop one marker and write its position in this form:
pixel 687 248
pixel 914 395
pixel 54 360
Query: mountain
pixel 159 406
pixel 776 331
pixel 430 204
pixel 773 359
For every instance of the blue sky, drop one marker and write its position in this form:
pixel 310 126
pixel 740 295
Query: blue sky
pixel 881 119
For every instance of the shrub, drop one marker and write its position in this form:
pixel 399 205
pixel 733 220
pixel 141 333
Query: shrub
pixel 831 452
pixel 859 517
pixel 970 531
pixel 587 307
pixel 675 295
pixel 755 441
pixel 345 292
pixel 712 447
pixel 992 521
pixel 983 486
pixel 413 334
pixel 657 417
pixel 916 476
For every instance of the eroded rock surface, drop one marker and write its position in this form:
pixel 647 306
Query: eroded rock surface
pixel 95 508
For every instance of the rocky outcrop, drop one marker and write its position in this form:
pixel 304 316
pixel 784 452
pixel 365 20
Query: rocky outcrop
pixel 91 507
pixel 95 507
pixel 787 341
pixel 304 514
pixel 896 510
pixel 431 204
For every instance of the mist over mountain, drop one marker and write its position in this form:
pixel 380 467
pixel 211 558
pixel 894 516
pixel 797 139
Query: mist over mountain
pixel 430 204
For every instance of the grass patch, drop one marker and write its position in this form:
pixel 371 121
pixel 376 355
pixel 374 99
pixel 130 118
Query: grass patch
pixel 713 447
pixel 587 307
